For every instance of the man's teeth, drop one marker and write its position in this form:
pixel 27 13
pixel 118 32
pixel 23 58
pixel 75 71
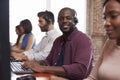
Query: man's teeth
pixel 65 26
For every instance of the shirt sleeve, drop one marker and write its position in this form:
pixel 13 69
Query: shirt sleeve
pixel 40 54
pixel 81 61
pixel 33 51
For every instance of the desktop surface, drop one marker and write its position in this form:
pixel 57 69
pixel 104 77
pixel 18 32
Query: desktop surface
pixel 39 76
pixel 17 71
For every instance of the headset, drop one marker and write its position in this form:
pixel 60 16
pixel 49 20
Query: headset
pixel 48 20
pixel 75 16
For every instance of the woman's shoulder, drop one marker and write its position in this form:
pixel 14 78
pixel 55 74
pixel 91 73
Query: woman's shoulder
pixel 110 42
pixel 108 46
pixel 29 35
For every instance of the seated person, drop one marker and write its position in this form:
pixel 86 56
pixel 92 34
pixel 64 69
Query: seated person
pixel 27 40
pixel 108 65
pixel 19 33
pixel 41 51
pixel 71 55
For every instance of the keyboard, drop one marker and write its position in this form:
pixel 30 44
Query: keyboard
pixel 16 67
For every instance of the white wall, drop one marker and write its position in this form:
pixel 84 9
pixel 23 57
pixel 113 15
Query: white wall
pixel 28 9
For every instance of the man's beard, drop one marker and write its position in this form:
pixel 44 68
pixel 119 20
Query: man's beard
pixel 71 28
pixel 44 28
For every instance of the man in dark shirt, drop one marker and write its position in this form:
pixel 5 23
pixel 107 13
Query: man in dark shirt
pixel 71 54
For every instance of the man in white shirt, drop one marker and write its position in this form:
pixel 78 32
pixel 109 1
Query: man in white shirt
pixel 41 51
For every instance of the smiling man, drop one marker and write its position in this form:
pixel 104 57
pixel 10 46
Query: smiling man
pixel 71 54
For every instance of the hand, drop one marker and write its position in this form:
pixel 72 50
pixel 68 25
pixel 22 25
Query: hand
pixel 19 56
pixel 14 54
pixel 28 63
pixel 14 48
pixel 34 65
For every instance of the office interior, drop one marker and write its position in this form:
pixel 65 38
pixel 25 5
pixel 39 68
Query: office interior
pixel 94 28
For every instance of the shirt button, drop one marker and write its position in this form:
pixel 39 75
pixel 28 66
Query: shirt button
pixel 55 63
pixel 58 53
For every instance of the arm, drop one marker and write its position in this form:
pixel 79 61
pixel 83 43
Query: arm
pixel 38 66
pixel 17 48
pixel 43 51
pixel 59 71
pixel 81 65
pixel 19 45
pixel 94 73
pixel 22 56
pixel 29 44
pixel 40 52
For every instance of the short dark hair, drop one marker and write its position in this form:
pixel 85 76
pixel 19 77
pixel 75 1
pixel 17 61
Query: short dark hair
pixel 106 1
pixel 26 25
pixel 47 15
pixel 74 13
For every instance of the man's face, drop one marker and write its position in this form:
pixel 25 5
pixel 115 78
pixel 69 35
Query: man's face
pixel 43 24
pixel 66 21
pixel 112 19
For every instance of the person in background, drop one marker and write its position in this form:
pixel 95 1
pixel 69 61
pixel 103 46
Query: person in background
pixel 19 33
pixel 72 53
pixel 27 40
pixel 41 51
pixel 107 67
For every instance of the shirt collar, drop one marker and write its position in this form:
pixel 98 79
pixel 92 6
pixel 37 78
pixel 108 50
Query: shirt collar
pixel 72 34
pixel 51 32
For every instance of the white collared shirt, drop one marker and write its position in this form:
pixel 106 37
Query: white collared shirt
pixel 41 51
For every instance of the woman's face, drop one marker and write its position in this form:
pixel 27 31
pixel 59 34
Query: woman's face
pixel 22 30
pixel 111 13
pixel 17 31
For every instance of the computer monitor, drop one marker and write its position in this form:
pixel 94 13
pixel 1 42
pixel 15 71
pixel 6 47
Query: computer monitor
pixel 4 40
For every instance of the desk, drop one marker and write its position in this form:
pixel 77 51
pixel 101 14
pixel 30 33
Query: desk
pixel 39 76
